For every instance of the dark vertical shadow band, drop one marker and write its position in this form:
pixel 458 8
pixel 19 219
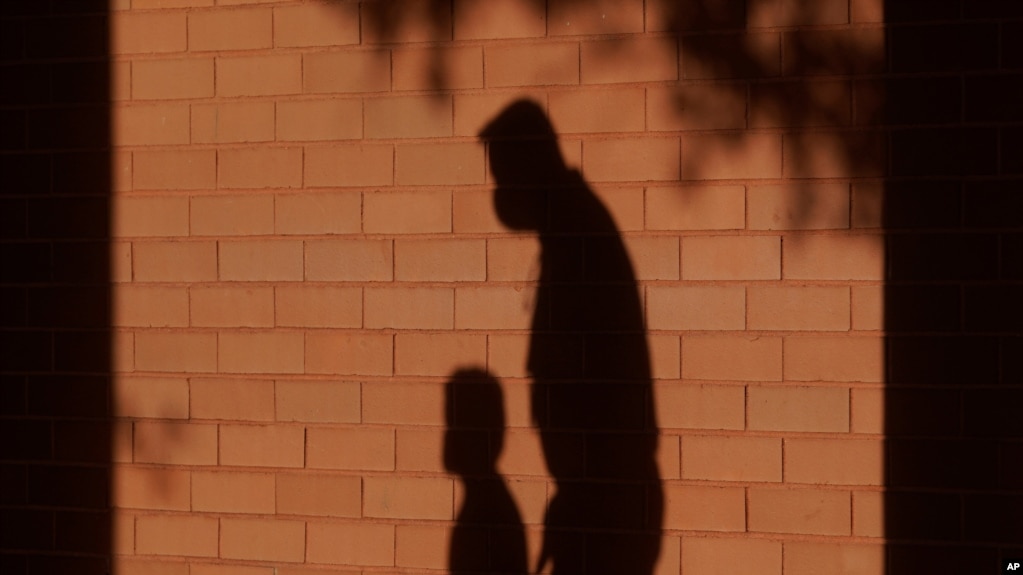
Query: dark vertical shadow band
pixel 55 451
pixel 954 293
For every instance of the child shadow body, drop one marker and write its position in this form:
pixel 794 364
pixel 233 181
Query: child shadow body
pixel 489 535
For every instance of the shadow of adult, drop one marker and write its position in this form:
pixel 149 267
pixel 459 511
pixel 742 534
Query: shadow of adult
pixel 591 393
pixel 489 535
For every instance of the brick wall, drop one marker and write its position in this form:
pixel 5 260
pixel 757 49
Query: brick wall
pixel 304 249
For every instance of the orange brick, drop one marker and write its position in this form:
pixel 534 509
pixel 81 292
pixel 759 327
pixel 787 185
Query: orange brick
pixel 696 107
pixel 654 258
pixel 799 207
pixel 232 122
pixel 747 459
pixel 147 32
pixel 150 216
pixel 420 22
pixel 866 11
pixel 262 539
pixel 798 308
pixel 762 55
pixel 859 257
pixel 704 508
pixel 120 82
pixel 232 215
pixel 148 488
pixel 189 535
pixel 454 163
pixel 224 491
pixel 867 307
pixel 221 569
pixel 349 354
pixel 260 168
pixel 259 75
pixel 868 513
pixel 308 120
pixel 507 355
pixel 175 261
pixel 696 308
pixel 550 64
pixel 631 59
pixel 319 401
pixel 474 111
pixel 316 25
pixel 408 498
pixel 261 352
pixel 665 356
pixel 725 357
pixel 473 212
pixel 668 456
pixel 242 29
pixel 731 258
pixel 120 171
pixel 625 203
pixel 440 260
pixel 712 556
pixel 834 359
pixel 829 103
pixel 867 411
pixel 315 306
pixel 122 527
pixel 346 166
pixel 174 170
pixel 347 72
pixel 368 544
pixel 131 566
pixel 150 397
pixel 318 494
pixel 696 208
pixel 798 409
pixel 325 213
pixel 513 259
pixel 150 124
pixel 669 562
pixel 731 156
pixel 834 461
pixel 407 212
pixel 218 306
pixel 121 441
pixel 631 159
pixel 175 443
pixel 120 262
pixel 808 511
pixel 805 558
pixel 409 308
pixel 778 13
pixel 176 352
pixel 150 306
pixel 419 450
pixel 458 68
pixel 172 79
pixel 835 154
pixel 420 403
pixel 437 354
pixel 609 110
pixel 239 399
pixel 499 19
pixel 349 260
pixel 261 260
pixel 408 117
pixel 492 308
pixel 262 445
pixel 122 351
pixel 602 17
pixel 357 449
pixel 422 546
pixel 522 455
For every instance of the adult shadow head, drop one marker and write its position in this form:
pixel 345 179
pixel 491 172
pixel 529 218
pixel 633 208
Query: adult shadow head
pixel 489 536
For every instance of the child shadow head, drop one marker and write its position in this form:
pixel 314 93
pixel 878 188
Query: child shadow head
pixel 474 413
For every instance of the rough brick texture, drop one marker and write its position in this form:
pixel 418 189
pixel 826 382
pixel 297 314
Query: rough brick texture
pixel 247 245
